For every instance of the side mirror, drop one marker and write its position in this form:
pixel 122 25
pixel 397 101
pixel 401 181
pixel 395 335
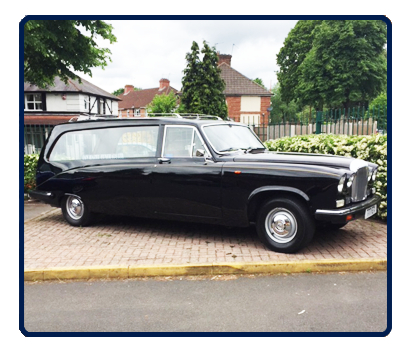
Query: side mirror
pixel 200 153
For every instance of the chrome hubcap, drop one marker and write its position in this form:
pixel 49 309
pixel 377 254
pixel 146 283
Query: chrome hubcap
pixel 281 225
pixel 74 207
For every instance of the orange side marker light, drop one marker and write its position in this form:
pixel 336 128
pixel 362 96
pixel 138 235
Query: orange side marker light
pixel 238 172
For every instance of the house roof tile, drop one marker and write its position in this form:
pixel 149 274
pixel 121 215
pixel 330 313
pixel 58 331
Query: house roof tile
pixel 237 84
pixel 141 98
pixel 72 86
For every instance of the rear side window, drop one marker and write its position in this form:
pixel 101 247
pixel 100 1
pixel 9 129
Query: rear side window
pixel 107 143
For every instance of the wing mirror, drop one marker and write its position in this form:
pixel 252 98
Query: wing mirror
pixel 200 152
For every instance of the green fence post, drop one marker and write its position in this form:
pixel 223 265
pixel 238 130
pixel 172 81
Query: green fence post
pixel 318 122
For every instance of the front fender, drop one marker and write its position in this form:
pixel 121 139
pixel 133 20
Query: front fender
pixel 278 188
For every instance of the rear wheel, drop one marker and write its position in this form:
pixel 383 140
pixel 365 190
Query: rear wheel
pixel 285 225
pixel 75 212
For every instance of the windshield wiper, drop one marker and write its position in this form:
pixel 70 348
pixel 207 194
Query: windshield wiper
pixel 230 149
pixel 251 149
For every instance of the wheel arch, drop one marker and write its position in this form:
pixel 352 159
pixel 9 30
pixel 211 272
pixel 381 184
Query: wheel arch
pixel 260 195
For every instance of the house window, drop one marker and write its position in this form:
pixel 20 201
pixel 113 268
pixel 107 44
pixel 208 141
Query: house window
pixel 86 102
pixel 250 119
pixel 137 112
pixel 33 102
pixel 102 106
pixel 250 104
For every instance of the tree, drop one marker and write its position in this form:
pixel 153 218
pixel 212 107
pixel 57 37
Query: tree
pixel 202 85
pixel 333 63
pixel 296 46
pixel 259 82
pixel 59 47
pixel 120 91
pixel 163 103
pixel 379 102
pixel 282 111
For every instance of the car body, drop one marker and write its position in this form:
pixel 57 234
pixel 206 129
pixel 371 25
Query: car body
pixel 201 170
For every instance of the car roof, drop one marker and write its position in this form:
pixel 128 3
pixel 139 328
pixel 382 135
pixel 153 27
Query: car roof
pixel 105 122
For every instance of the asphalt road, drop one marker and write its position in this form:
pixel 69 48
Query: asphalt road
pixel 293 303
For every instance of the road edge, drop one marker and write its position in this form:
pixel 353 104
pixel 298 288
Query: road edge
pixel 270 267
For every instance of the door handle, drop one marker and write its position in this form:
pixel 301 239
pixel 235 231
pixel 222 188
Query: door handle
pixel 164 160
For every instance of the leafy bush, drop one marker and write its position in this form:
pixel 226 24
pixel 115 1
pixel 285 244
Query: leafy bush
pixel 369 148
pixel 30 168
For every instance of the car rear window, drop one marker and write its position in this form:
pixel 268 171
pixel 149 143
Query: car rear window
pixel 106 143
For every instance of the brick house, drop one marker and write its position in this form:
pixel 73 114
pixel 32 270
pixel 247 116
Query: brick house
pixel 247 101
pixel 134 103
pixel 44 108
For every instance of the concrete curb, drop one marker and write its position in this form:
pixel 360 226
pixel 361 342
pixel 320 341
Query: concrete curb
pixel 41 215
pixel 99 272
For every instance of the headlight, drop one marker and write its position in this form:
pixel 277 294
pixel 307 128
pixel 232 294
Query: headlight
pixel 341 183
pixel 374 175
pixel 350 181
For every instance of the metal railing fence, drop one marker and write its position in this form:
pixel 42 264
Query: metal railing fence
pixel 353 121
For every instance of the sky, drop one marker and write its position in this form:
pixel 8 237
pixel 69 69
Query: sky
pixel 147 51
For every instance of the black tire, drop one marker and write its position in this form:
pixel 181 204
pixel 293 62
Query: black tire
pixel 280 237
pixel 327 226
pixel 75 212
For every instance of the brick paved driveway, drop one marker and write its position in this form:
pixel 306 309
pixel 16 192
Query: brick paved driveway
pixel 50 242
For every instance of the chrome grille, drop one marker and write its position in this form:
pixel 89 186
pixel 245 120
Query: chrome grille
pixel 359 187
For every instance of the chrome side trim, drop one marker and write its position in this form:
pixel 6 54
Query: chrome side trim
pixel 278 188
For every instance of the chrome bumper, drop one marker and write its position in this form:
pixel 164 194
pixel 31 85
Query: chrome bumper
pixel 340 215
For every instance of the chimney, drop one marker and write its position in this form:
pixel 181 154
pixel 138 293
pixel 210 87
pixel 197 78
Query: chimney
pixel 224 59
pixel 128 88
pixel 163 83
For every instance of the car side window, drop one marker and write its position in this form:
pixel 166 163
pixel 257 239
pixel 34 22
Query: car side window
pixel 138 142
pixel 106 143
pixel 178 142
pixel 197 144
pixel 181 142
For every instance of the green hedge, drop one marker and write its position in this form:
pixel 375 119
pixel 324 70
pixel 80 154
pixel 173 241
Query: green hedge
pixel 30 168
pixel 370 148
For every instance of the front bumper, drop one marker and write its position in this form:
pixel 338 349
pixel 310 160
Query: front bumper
pixel 339 216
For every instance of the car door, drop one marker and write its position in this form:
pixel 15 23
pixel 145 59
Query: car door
pixel 185 182
pixel 120 182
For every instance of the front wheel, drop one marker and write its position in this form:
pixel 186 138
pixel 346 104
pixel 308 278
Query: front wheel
pixel 285 225
pixel 75 212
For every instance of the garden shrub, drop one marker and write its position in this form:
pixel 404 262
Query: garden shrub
pixel 30 168
pixel 369 148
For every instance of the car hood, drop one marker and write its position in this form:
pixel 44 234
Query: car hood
pixel 302 158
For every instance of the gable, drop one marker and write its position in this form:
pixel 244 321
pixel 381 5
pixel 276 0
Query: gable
pixel 237 84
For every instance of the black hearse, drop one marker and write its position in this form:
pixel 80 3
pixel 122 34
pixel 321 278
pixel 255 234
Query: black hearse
pixel 201 169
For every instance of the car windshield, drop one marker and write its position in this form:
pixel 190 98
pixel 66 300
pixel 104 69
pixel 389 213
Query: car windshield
pixel 231 137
